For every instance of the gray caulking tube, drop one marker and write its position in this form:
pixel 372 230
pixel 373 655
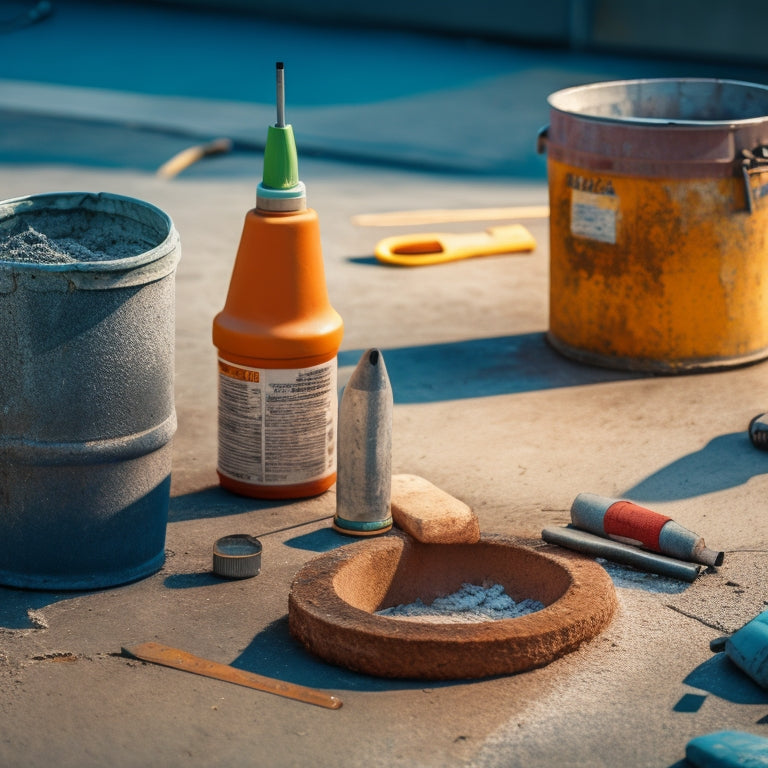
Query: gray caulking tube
pixel 364 472
pixel 629 523
pixel 597 546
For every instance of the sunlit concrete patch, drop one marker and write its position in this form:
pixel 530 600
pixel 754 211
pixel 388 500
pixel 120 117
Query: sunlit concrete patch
pixel 730 597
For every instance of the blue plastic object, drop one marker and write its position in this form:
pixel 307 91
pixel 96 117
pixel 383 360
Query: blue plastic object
pixel 748 649
pixel 728 749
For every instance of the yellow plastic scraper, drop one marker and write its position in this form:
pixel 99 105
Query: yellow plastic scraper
pixel 422 249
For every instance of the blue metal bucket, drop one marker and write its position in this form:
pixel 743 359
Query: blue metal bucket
pixel 86 389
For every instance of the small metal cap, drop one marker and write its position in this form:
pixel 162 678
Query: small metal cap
pixel 758 431
pixel 237 556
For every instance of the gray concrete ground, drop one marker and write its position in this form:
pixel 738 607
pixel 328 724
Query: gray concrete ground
pixel 483 408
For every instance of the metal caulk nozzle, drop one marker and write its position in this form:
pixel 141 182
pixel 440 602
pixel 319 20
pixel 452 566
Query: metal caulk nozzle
pixel 364 471
pixel 280 188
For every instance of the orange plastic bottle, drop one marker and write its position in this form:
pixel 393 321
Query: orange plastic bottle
pixel 277 338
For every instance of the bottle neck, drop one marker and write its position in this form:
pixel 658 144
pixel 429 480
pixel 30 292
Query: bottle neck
pixel 281 200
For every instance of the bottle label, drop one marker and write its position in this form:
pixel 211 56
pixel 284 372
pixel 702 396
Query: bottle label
pixel 277 426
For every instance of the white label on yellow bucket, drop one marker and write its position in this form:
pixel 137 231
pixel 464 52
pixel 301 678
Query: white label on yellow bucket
pixel 594 216
pixel 277 426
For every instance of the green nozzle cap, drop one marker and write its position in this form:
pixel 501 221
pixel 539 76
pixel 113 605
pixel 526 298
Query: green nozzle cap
pixel 280 188
pixel 281 164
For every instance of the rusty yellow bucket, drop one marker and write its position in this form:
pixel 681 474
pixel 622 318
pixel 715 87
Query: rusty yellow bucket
pixel 659 223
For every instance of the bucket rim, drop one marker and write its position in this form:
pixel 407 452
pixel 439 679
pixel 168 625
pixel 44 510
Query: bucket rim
pixel 42 201
pixel 564 93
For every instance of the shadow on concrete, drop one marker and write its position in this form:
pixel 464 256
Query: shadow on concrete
pixel 18 607
pixel 507 365
pixel 274 653
pixel 726 461
pixel 501 365
pixel 721 677
pixel 213 502
pixel 689 703
pixel 322 540
pixel 368 261
pixel 191 580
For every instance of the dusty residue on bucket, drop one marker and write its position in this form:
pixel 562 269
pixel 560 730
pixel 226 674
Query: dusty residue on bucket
pixel 50 237
pixel 472 603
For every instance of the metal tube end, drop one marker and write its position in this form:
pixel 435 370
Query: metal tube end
pixel 280 95
pixel 709 556
pixel 718 644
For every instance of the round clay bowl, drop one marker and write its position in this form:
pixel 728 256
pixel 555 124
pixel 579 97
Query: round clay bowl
pixel 334 597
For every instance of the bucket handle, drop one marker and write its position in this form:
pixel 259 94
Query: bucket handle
pixel 753 162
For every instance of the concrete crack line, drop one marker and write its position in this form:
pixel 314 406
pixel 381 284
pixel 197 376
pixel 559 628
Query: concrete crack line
pixel 693 616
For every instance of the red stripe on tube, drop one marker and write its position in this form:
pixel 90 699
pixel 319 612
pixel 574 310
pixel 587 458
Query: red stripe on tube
pixel 630 521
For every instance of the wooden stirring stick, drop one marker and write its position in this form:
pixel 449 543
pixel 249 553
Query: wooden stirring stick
pixel 178 659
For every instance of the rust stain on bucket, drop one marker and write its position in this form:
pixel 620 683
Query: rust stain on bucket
pixel 657 228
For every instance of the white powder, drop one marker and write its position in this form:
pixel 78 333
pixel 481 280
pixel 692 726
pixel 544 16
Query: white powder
pixel 75 236
pixel 471 603
pixel 629 578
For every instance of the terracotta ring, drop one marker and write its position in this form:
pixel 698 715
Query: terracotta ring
pixel 334 597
